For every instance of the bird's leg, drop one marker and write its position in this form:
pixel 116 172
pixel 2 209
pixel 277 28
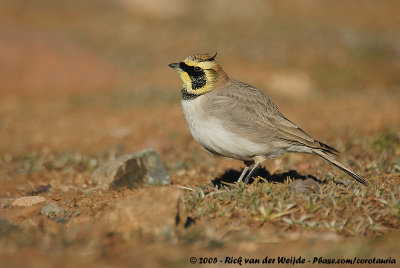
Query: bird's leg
pixel 243 173
pixel 248 177
pixel 247 165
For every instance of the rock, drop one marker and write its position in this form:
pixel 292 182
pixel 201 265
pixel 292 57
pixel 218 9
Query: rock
pixel 304 186
pixel 146 214
pixel 28 201
pixel 132 170
pixel 51 209
pixel 54 212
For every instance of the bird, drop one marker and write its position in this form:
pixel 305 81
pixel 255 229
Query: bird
pixel 233 119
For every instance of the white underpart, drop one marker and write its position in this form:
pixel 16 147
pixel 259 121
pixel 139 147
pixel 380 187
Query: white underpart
pixel 210 133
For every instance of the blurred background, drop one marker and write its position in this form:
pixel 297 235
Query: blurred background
pixel 66 65
pixel 84 81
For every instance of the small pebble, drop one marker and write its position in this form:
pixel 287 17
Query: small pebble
pixel 28 201
pixel 51 209
pixel 304 186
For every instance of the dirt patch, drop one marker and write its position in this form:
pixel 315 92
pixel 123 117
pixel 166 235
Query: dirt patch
pixel 34 63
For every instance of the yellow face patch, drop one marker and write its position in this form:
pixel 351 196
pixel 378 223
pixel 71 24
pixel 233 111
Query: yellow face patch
pixel 187 82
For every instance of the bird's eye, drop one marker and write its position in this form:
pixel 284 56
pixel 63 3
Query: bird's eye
pixel 197 69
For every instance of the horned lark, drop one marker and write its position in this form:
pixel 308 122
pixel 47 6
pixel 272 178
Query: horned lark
pixel 233 119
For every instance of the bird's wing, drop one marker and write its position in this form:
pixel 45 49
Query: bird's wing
pixel 247 111
pixel 243 110
pixel 292 132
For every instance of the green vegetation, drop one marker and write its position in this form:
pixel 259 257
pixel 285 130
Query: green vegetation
pixel 351 210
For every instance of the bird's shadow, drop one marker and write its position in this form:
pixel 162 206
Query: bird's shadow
pixel 231 176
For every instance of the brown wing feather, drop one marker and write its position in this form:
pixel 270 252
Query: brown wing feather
pixel 291 131
pixel 247 110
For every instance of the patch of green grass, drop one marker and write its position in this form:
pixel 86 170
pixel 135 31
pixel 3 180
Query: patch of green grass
pixel 388 142
pixel 351 210
pixel 380 152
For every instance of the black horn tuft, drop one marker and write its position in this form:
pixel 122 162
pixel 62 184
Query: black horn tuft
pixel 211 58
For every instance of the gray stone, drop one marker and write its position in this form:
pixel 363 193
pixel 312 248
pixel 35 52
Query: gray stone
pixel 51 210
pixel 132 170
pixel 305 186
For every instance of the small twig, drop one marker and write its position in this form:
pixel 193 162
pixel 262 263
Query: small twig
pixel 186 188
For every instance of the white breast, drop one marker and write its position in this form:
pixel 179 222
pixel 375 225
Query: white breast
pixel 210 133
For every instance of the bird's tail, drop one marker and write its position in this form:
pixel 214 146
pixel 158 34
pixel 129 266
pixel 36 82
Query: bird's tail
pixel 332 160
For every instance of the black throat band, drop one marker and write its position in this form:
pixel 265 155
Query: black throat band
pixel 188 96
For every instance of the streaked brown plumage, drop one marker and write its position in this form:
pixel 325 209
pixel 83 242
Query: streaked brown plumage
pixel 236 120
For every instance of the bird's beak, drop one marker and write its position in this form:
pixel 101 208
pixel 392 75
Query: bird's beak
pixel 175 66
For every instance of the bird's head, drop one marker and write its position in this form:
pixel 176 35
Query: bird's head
pixel 200 73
